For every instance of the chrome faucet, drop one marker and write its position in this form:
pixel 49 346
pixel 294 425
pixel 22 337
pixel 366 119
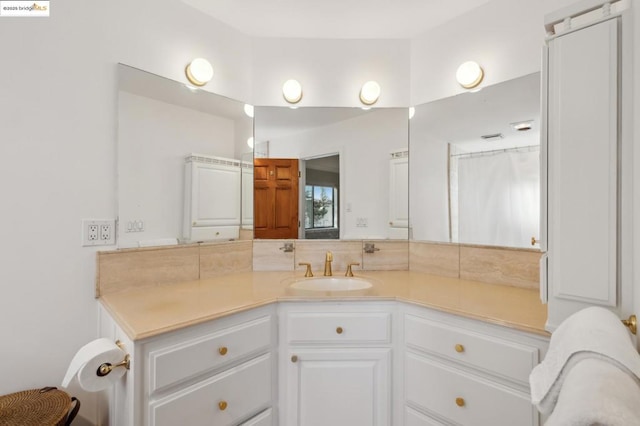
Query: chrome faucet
pixel 327 264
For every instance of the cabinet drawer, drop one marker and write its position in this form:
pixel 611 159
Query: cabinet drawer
pixel 220 400
pixel 356 327
pixel 263 419
pixel 507 359
pixel 188 359
pixel 414 418
pixel 463 398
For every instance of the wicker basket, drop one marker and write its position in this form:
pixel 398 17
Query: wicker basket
pixel 38 407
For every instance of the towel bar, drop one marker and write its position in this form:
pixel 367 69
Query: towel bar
pixel 632 323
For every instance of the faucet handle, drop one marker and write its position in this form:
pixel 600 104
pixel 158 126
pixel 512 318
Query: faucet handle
pixel 329 257
pixel 349 272
pixel 308 272
pixel 287 247
pixel 370 248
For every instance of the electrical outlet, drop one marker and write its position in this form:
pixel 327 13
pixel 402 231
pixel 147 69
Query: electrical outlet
pixel 98 232
pixel 105 232
pixel 92 232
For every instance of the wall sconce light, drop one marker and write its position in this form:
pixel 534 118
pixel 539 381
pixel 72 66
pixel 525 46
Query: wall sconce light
pixel 250 142
pixel 199 72
pixel 370 93
pixel 292 91
pixel 248 109
pixel 469 74
pixel 412 112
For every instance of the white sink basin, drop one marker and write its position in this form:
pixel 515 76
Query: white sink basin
pixel 331 284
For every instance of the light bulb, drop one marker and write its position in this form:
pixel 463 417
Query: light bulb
pixel 292 91
pixel 469 74
pixel 370 93
pixel 199 72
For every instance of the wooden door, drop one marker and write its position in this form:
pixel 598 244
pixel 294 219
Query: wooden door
pixel 275 198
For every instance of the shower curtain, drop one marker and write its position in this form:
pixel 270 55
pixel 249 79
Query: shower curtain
pixel 498 197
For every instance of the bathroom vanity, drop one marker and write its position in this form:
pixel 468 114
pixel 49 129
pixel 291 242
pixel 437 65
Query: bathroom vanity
pixel 245 349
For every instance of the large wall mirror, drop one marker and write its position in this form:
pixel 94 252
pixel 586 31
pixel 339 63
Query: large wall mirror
pixel 475 166
pixel 353 173
pixel 181 158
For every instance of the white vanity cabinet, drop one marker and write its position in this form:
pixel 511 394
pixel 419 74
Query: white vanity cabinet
pixel 221 372
pixel 336 364
pixel 464 372
pixel 586 171
pixel 319 363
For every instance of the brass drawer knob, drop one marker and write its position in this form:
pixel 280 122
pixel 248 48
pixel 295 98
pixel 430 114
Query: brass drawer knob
pixel 222 405
pixel 294 358
pixel 460 402
pixel 339 330
pixel 459 348
pixel 223 351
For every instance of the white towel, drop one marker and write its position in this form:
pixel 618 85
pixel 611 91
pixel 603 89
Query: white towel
pixel 590 333
pixel 596 392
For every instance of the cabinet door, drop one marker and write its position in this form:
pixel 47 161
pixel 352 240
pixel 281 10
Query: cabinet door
pixel 399 193
pixel 215 195
pixel 337 387
pixel 582 166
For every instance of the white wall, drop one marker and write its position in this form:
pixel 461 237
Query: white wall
pixel 153 140
pixel 331 71
pixel 58 119
pixel 504 36
pixel 364 144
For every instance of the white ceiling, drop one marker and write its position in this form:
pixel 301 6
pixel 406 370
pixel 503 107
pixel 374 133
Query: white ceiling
pixel 462 120
pixel 335 19
pixel 272 123
pixel 162 89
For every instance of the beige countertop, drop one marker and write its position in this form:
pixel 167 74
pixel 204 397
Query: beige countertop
pixel 149 311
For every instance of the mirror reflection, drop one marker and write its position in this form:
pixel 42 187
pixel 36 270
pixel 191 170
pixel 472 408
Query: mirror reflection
pixel 182 157
pixel 328 173
pixel 475 166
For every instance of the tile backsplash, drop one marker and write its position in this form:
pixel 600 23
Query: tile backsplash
pixel 141 267
pixel 225 258
pixel 270 255
pixel 496 265
pixel 435 258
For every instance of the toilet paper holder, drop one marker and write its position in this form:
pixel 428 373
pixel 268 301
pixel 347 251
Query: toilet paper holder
pixel 105 368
